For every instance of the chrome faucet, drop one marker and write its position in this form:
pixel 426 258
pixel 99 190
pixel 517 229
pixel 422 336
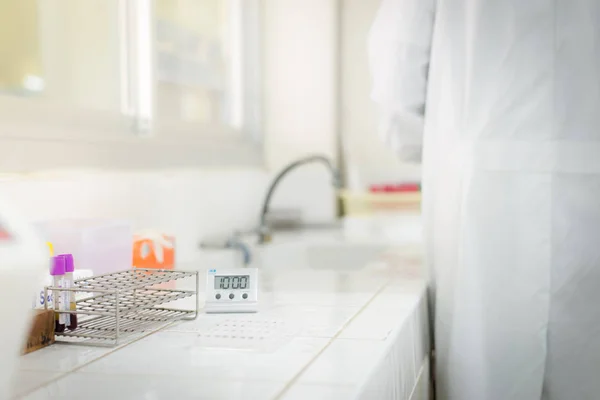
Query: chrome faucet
pixel 263 231
pixel 264 234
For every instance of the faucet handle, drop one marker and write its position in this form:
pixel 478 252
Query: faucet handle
pixel 337 181
pixel 265 238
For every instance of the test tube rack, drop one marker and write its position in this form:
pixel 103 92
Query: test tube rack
pixel 119 306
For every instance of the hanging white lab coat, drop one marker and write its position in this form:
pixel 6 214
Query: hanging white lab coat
pixel 510 93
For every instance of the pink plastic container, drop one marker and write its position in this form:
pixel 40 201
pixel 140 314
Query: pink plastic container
pixel 102 246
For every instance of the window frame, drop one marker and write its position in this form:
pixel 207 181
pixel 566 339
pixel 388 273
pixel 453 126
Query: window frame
pixel 34 133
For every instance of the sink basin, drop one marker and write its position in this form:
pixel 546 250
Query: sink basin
pixel 318 256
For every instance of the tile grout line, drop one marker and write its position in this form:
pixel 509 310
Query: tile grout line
pixel 419 376
pixel 278 396
pixel 66 374
pixel 297 376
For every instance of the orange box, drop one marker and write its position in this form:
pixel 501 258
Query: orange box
pixel 153 250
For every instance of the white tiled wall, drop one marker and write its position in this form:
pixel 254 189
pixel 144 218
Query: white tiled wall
pixel 193 205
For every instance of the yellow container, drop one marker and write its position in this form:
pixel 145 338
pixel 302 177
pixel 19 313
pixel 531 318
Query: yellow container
pixel 365 203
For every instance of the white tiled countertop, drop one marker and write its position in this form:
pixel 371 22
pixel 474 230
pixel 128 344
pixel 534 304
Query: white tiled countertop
pixel 319 334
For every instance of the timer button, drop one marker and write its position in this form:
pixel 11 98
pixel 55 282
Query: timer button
pixel 231 296
pixel 245 296
pixel 218 296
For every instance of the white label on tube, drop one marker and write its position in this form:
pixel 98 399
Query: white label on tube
pixel 59 299
pixel 66 304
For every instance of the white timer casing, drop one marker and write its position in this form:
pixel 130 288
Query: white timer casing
pixel 231 297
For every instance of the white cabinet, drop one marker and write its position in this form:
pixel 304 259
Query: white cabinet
pixel 168 81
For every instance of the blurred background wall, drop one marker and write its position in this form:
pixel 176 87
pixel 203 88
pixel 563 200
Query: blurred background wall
pixel 314 98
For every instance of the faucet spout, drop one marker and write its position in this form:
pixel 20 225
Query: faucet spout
pixel 264 235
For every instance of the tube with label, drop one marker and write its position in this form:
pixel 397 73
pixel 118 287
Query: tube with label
pixel 57 270
pixel 72 305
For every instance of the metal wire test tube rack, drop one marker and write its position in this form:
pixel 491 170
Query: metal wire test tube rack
pixel 119 305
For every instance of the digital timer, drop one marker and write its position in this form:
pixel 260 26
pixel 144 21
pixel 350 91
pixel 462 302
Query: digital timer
pixel 224 282
pixel 231 290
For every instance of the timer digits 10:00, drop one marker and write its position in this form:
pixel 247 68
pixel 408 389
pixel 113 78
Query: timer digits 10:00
pixel 231 290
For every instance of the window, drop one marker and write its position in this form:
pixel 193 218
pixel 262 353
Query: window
pixel 135 72
pixel 61 51
pixel 203 73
